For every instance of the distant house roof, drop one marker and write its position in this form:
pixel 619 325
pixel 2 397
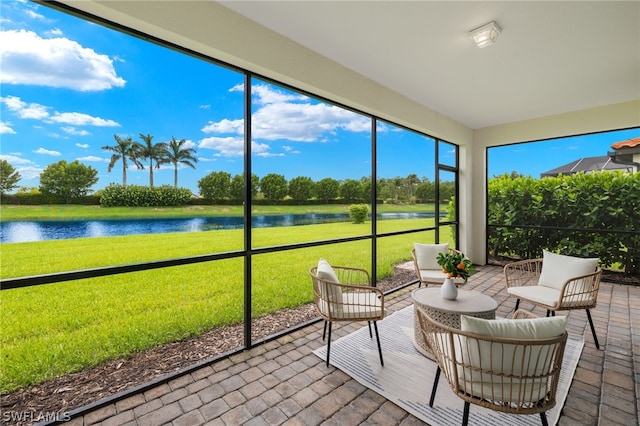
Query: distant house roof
pixel 629 143
pixel 587 164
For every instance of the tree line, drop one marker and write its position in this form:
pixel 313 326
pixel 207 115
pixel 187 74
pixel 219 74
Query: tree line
pixel 222 185
pixel 68 181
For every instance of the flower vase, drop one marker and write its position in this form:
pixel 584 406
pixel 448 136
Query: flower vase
pixel 449 290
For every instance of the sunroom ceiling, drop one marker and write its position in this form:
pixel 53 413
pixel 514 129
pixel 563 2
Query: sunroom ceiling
pixel 551 58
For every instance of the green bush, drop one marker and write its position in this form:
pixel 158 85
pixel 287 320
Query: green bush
pixel 116 195
pixel 358 212
pixel 602 203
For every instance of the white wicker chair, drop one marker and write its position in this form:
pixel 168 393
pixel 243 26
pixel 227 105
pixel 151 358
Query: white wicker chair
pixel 426 267
pixel 513 375
pixel 556 283
pixel 345 294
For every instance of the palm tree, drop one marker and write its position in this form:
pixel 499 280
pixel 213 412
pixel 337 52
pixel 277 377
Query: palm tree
pixel 152 151
pixel 125 149
pixel 176 154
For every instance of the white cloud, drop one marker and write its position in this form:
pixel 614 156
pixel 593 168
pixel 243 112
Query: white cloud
pixel 73 131
pixel 29 172
pixel 188 144
pixel 92 158
pixel 237 88
pixel 32 14
pixel 15 159
pixel 47 152
pixel 30 59
pixel 290 149
pixel 227 147
pixel 264 95
pixel 291 116
pixel 225 126
pixel 5 128
pixel 82 145
pixel 81 119
pixel 27 169
pixel 269 154
pixel 304 122
pixel 231 147
pixel 40 112
pixel 23 109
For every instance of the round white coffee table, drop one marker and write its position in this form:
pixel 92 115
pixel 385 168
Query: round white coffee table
pixel 472 303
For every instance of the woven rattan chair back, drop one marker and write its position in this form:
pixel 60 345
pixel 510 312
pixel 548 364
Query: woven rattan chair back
pixel 352 299
pixel 516 376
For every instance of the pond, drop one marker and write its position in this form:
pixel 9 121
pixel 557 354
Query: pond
pixel 16 232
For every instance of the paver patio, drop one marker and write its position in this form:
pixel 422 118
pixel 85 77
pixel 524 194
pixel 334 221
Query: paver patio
pixel 281 382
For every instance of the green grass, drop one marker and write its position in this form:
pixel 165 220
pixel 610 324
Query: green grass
pixel 56 329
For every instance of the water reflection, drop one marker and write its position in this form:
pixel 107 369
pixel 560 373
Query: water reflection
pixel 14 232
pixel 20 232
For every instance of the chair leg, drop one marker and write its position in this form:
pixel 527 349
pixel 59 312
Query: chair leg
pixel 329 344
pixel 324 332
pixel 593 329
pixel 548 312
pixel 543 417
pixel 435 387
pixel 517 305
pixel 370 333
pixel 465 415
pixel 375 326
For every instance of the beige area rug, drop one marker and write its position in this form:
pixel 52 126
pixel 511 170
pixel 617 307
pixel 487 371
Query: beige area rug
pixel 407 376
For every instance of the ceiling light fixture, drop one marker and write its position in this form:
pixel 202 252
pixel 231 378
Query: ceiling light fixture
pixel 485 35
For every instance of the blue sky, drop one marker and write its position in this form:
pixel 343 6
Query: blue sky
pixel 69 85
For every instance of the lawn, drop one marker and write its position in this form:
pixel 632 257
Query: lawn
pixel 56 329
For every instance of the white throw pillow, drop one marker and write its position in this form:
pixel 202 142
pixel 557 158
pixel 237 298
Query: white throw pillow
pixel 330 293
pixel 511 359
pixel 558 268
pixel 527 328
pixel 426 254
pixel 326 272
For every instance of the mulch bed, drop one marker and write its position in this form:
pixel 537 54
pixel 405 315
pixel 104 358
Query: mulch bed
pixel 71 391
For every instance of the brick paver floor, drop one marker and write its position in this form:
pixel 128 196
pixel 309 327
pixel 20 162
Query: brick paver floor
pixel 282 382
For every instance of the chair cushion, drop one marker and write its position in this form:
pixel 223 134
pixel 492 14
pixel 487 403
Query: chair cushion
pixel 528 328
pixel 359 305
pixel 558 268
pixel 538 294
pixel 436 277
pixel 426 255
pixel 328 292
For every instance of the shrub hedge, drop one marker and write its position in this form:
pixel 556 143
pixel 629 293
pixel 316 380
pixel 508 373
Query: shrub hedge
pixel 588 215
pixel 116 195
